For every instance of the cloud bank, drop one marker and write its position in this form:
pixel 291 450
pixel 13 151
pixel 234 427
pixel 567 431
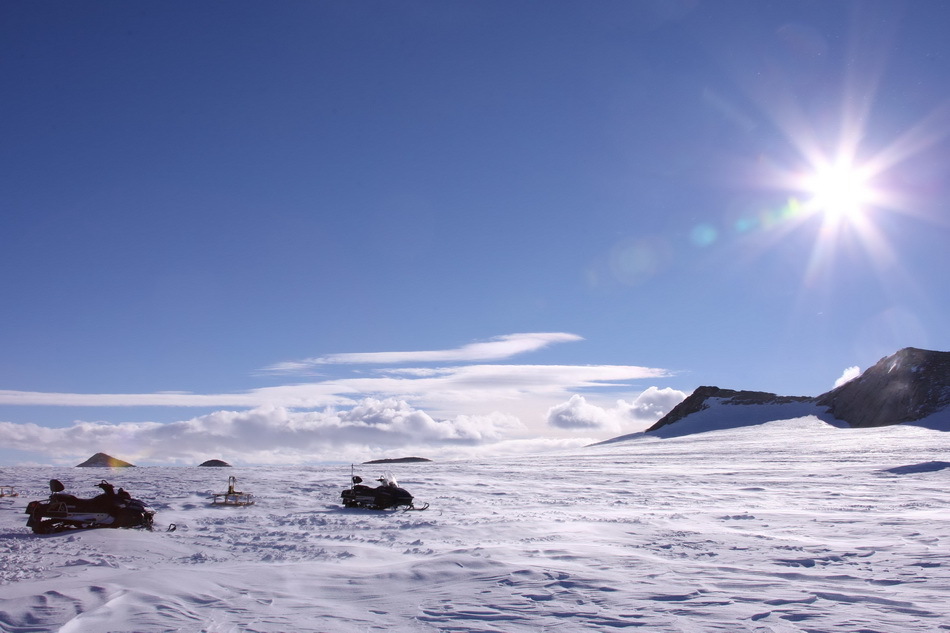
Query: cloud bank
pixel 276 435
pixel 387 411
pixel 269 435
pixel 443 384
pixel 372 428
pixel 646 409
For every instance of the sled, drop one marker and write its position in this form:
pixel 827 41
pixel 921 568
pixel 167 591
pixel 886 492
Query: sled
pixel 8 491
pixel 232 497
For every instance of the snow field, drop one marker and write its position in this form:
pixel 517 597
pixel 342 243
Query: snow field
pixel 789 526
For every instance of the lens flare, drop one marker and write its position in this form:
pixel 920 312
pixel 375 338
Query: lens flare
pixel 703 234
pixel 840 190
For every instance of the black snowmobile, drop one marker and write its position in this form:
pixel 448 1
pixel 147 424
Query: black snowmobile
pixel 386 495
pixel 110 509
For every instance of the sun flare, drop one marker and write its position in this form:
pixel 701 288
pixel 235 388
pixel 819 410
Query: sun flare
pixel 839 190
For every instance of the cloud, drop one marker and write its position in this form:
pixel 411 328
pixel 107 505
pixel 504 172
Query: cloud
pixel 457 386
pixel 304 395
pixel 387 411
pixel 648 407
pixel 577 413
pixel 653 404
pixel 269 435
pixel 370 428
pixel 848 375
pixel 444 385
pixel 497 348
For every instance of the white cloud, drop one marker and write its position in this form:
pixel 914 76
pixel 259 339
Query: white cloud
pixel 652 404
pixel 497 348
pixel 444 385
pixel 269 435
pixel 304 395
pixel 848 375
pixel 386 412
pixel 648 407
pixel 577 413
pixel 372 427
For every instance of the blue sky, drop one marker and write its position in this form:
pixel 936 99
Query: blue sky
pixel 306 231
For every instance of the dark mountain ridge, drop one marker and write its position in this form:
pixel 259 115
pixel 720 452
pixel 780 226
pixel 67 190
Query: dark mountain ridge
pixel 398 460
pixel 215 463
pixel 697 401
pixel 907 386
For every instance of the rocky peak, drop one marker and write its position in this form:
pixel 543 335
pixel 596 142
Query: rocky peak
pixel 908 385
pixel 698 400
pixel 101 460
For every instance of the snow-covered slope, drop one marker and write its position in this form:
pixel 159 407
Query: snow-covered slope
pixel 790 526
pixel 911 386
pixel 715 409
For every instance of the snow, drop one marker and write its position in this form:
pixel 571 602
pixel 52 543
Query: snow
pixel 793 525
pixel 718 415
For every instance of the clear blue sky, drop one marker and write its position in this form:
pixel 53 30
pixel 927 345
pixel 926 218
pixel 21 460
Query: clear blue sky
pixel 212 211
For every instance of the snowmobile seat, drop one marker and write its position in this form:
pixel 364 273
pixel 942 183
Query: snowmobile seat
pixel 99 503
pixel 65 497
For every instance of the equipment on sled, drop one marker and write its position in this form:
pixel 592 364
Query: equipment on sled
pixel 384 496
pixel 110 509
pixel 232 497
pixel 8 491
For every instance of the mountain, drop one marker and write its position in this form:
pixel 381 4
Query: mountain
pixel 398 460
pixel 704 397
pixel 101 460
pixel 215 463
pixel 905 387
pixel 910 386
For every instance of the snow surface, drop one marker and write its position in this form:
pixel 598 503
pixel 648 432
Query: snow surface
pixel 789 526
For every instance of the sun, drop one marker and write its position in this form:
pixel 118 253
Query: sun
pixel 840 190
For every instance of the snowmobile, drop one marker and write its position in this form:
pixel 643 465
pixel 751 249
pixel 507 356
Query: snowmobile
pixel 386 495
pixel 110 509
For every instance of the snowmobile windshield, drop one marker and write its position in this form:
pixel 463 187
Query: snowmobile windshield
pixel 388 480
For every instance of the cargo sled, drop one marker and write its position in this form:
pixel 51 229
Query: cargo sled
pixel 232 497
